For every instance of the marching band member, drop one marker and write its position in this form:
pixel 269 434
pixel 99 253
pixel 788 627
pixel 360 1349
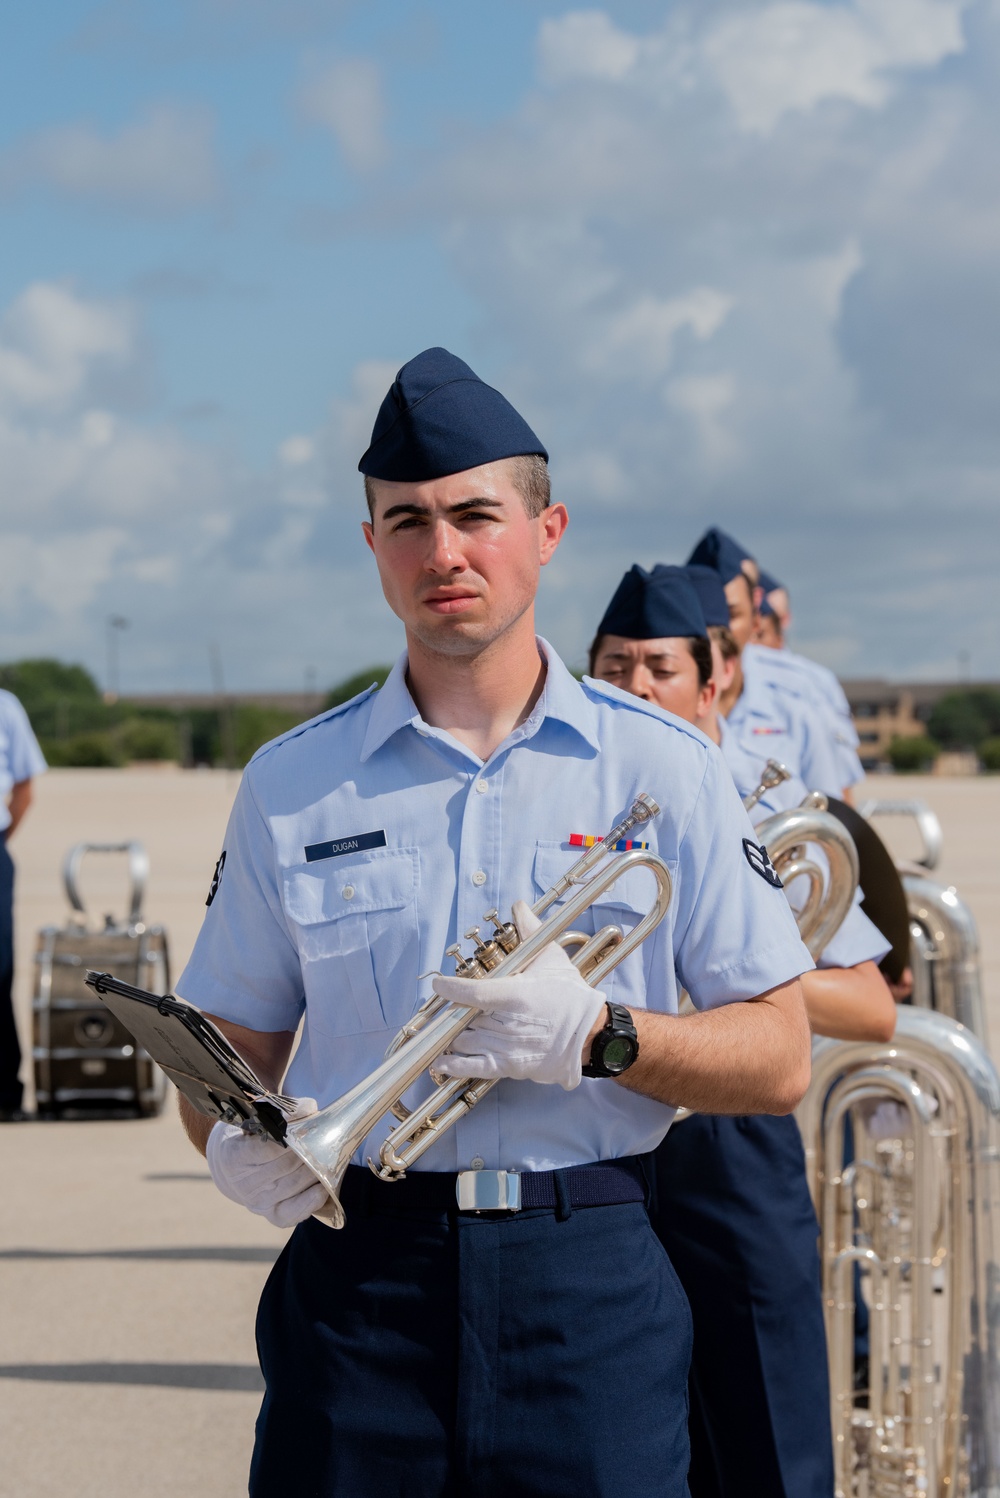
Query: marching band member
pixel 426 1349
pixel 788 668
pixel 21 760
pixel 769 710
pixel 732 1204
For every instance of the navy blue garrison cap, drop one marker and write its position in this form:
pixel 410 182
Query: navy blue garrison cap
pixel 768 583
pixel 711 593
pixel 439 418
pixel 716 549
pixel 658 605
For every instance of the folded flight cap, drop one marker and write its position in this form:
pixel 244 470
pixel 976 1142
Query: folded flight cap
pixel 711 593
pixel 716 549
pixel 770 585
pixel 438 418
pixel 658 605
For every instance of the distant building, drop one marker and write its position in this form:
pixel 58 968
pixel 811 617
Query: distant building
pixel 885 710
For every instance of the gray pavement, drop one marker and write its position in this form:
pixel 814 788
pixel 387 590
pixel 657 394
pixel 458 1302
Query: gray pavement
pixel 128 1285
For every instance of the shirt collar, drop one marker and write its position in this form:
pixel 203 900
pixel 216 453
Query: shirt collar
pixel 562 698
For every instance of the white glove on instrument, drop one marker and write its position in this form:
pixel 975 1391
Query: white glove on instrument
pixel 537 1022
pixel 264 1176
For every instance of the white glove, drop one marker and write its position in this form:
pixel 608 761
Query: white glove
pixel 537 1022
pixel 263 1175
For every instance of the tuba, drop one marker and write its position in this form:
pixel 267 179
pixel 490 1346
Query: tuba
pixel 327 1140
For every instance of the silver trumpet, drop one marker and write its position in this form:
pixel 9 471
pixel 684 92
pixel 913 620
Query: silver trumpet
pixel 327 1140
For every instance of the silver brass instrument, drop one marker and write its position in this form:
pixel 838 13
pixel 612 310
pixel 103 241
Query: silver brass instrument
pixel 944 942
pixel 327 1140
pixel 785 834
pixel 918 1210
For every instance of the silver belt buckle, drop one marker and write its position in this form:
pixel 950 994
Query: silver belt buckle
pixel 488 1190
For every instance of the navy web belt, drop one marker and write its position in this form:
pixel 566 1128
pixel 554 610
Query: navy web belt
pixel 606 1183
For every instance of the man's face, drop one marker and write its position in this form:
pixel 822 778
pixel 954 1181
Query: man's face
pixel 660 671
pixel 742 617
pixel 459 557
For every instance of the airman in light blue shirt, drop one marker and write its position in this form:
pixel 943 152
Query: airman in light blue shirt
pixel 366 842
pixel 482 1306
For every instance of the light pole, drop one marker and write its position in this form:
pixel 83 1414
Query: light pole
pixel 115 626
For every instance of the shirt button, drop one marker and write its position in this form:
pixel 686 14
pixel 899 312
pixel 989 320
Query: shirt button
pixel 482 787
pixel 348 891
pixel 477 1162
pixel 479 877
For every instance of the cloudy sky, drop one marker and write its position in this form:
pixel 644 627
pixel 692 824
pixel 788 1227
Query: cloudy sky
pixel 736 262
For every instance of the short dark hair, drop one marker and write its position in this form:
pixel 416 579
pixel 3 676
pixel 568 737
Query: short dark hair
pixel 723 637
pixel 698 645
pixel 529 473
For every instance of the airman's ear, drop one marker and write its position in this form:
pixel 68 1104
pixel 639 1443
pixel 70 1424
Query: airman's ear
pixel 553 522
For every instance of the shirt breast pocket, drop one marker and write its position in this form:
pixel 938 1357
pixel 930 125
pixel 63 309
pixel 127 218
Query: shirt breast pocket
pixel 355 925
pixel 623 904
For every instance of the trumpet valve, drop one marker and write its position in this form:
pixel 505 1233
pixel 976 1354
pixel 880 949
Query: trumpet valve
pixel 465 967
pixel 489 955
pixel 504 933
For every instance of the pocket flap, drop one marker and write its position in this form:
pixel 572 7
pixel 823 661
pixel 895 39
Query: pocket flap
pixel 350 887
pixel 633 891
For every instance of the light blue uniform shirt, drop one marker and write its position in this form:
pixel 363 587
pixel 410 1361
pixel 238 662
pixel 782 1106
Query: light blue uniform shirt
pixel 858 939
pixel 797 673
pixel 772 719
pixel 413 838
pixel 20 756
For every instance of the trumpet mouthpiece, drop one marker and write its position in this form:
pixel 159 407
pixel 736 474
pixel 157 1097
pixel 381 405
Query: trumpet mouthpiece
pixel 644 808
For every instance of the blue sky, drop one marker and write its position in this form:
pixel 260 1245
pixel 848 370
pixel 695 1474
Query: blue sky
pixel 736 262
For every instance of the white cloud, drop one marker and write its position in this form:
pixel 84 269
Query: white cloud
pixel 296 450
pixel 640 338
pixel 97 428
pixel 705 399
pixel 163 162
pixel 347 97
pixel 51 340
pixel 585 44
pixel 793 55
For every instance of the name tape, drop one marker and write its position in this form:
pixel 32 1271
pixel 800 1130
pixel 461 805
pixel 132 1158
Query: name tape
pixel 342 845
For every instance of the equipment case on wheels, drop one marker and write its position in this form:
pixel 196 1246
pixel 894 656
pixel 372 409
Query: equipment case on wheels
pixel 85 1060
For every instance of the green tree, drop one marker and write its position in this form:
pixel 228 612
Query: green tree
pixel 60 700
pixel 149 738
pixel 989 753
pixel 92 750
pixel 359 682
pixel 912 754
pixel 962 720
pixel 254 726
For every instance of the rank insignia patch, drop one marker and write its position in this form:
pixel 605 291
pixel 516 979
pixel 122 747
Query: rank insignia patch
pixel 757 858
pixel 217 877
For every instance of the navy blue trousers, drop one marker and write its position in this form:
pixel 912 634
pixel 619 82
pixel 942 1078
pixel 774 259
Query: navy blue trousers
pixel 732 1207
pixel 418 1355
pixel 10 1050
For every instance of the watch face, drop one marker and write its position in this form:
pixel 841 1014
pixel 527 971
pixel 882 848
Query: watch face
pixel 618 1051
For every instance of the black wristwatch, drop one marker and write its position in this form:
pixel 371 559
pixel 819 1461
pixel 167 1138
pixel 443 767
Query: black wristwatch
pixel 615 1047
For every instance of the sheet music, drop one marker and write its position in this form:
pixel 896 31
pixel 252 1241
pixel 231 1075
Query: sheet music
pixel 195 1055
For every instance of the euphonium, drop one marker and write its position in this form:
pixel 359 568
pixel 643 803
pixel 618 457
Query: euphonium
pixel 784 835
pixel 327 1140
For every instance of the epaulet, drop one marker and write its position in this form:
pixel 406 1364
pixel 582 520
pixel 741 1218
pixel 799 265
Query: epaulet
pixel 301 728
pixel 639 705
